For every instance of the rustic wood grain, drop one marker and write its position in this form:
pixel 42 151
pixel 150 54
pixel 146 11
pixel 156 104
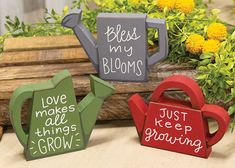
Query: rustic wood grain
pixel 42 71
pixel 32 60
pixel 66 55
pixel 115 107
pixel 40 43
pixel 1 132
pixel 82 84
pixel 45 70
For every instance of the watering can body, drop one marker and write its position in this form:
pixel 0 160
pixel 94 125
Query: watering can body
pixel 120 52
pixel 177 125
pixel 56 123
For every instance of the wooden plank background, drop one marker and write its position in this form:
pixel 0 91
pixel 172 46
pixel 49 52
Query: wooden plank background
pixel 35 59
pixel 1 132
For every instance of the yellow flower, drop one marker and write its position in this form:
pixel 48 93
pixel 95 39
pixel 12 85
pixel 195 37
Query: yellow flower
pixel 211 46
pixel 194 43
pixel 185 6
pixel 170 4
pixel 217 31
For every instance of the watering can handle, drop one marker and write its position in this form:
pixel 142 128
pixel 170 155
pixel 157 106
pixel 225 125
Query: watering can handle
pixel 19 96
pixel 160 25
pixel 220 115
pixel 186 84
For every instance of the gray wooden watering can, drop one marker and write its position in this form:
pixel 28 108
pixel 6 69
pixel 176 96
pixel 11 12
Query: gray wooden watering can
pixel 121 51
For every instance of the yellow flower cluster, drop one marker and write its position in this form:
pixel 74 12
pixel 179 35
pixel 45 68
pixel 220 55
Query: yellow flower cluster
pixel 194 43
pixel 211 46
pixel 217 31
pixel 170 4
pixel 184 6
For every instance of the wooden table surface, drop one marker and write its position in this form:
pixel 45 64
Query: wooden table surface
pixel 115 145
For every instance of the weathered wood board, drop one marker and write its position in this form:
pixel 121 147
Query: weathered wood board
pixel 30 60
pixel 1 132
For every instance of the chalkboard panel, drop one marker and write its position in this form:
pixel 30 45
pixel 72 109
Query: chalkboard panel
pixel 122 41
pixel 55 122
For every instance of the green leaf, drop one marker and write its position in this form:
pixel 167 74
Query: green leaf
pixel 225 72
pixel 233 36
pixel 202 68
pixel 165 10
pixel 23 26
pixel 17 21
pixel 212 66
pixel 230 82
pixel 231 109
pixel 206 55
pixel 233 91
pixel 204 62
pixel 151 42
pixel 202 76
pixel 183 39
pixel 7 27
pixel 53 12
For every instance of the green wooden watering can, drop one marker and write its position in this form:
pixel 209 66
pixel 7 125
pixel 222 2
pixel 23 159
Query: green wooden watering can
pixel 56 123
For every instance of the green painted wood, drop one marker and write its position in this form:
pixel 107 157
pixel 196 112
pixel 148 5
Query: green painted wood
pixel 57 124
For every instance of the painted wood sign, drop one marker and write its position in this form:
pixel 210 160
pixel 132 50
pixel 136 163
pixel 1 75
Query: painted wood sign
pixel 121 51
pixel 178 125
pixel 57 124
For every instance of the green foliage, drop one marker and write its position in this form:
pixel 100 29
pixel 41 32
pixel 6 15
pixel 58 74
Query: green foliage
pixel 2 38
pixel 217 75
pixel 50 27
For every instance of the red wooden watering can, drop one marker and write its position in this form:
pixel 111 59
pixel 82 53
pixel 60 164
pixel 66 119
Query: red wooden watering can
pixel 178 125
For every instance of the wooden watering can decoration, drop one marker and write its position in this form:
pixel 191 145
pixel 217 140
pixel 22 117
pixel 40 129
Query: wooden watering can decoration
pixel 120 52
pixel 57 124
pixel 178 125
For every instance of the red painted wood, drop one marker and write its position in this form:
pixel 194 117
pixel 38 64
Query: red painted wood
pixel 183 83
pixel 177 125
pixel 217 113
pixel 138 108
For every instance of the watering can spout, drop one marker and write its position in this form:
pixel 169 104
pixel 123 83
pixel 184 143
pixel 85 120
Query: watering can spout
pixel 74 22
pixel 138 109
pixel 90 106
